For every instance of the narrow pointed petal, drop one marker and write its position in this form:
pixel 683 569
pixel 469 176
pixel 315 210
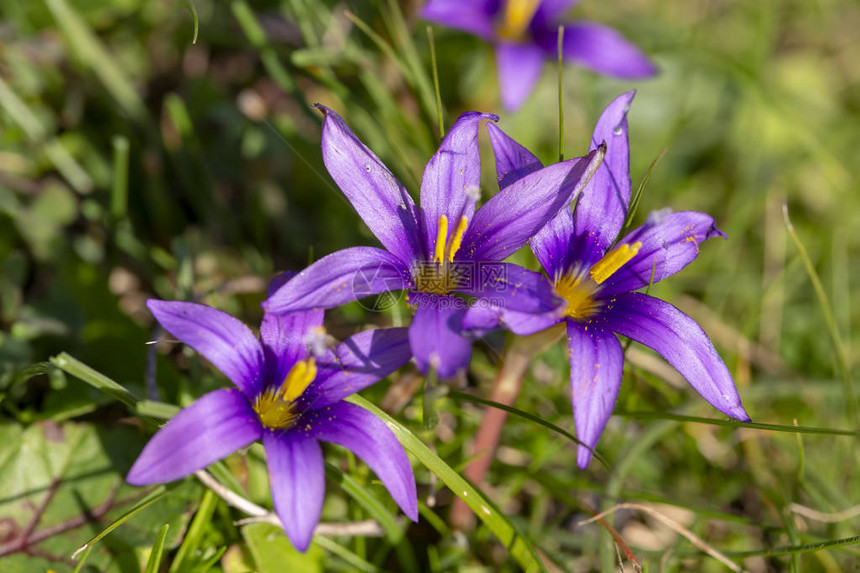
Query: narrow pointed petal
pixel 596 368
pixel 379 198
pixel 370 439
pixel 517 212
pixel 451 184
pixel 222 339
pixel 602 208
pixel 356 363
pixel 513 161
pixel 435 334
pixel 210 429
pixel 512 287
pixel 338 278
pixel 472 16
pixel 283 338
pixel 600 49
pixel 297 481
pixel 681 342
pixel 481 319
pixel 669 243
pixel 553 245
pixel 519 67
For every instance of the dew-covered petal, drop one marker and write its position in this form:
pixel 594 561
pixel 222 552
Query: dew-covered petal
pixel 519 66
pixel 670 241
pixel 214 426
pixel 370 439
pixel 472 16
pixel 435 334
pixel 598 48
pixel 517 212
pixel 511 287
pixel 222 339
pixel 678 339
pixel 451 184
pixel 356 363
pixel 596 367
pixel 513 161
pixel 297 481
pixel 379 198
pixel 338 278
pixel 602 207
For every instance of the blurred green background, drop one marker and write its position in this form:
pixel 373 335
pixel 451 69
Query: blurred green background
pixel 168 149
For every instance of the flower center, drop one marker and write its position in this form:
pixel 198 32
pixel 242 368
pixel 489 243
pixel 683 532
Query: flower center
pixel 439 276
pixel 579 291
pixel 276 406
pixel 517 17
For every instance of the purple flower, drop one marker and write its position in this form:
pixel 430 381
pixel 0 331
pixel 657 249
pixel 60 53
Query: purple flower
pixel 525 33
pixel 596 278
pixel 442 248
pixel 287 397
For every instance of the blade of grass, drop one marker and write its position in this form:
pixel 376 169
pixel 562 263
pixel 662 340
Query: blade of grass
pixel 519 546
pixel 736 424
pixel 634 201
pixel 797 549
pixel 154 561
pixel 353 560
pixel 439 119
pixel 197 529
pixel 826 309
pixel 119 189
pixel 96 379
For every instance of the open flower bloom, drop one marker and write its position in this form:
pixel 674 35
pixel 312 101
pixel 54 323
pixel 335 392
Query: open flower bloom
pixel 442 248
pixel 525 33
pixel 287 397
pixel 596 277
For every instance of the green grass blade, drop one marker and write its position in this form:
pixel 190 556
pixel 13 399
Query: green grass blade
pixel 797 549
pixel 355 562
pixel 637 197
pixel 119 190
pixel 154 562
pixel 151 498
pixel 827 310
pixel 520 548
pixel 96 379
pixel 736 424
pixel 197 529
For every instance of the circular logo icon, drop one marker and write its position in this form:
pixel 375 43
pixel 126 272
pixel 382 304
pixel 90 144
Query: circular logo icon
pixel 385 281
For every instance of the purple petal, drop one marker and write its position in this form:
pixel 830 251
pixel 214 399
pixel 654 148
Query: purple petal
pixel 550 11
pixel 553 245
pixel 370 439
pixel 512 287
pixel 222 339
pixel 669 243
pixel 340 277
pixel 677 338
pixel 435 334
pixel 297 481
pixel 473 16
pixel 483 318
pixel 214 426
pixel 513 161
pixel 600 49
pixel 596 367
pixel 519 67
pixel 282 337
pixel 356 363
pixel 452 179
pixel 602 208
pixel 379 198
pixel 517 212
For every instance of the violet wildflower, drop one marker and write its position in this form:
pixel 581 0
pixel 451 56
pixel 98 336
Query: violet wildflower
pixel 596 278
pixel 287 397
pixel 444 247
pixel 525 33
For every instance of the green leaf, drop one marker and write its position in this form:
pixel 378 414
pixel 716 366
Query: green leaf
pixel 154 560
pixel 520 547
pixel 273 552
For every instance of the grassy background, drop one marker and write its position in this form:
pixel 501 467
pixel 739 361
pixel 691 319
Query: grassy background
pixel 136 162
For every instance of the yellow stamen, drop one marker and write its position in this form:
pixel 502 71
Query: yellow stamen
pixel 441 239
pixel 613 260
pixel 458 237
pixel 275 406
pixel 518 15
pixel 579 294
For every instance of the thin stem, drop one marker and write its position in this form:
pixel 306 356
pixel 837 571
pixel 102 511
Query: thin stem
pixel 436 82
pixel 560 95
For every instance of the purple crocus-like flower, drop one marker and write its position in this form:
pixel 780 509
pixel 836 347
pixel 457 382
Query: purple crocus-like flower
pixel 444 247
pixel 525 33
pixel 596 277
pixel 287 397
